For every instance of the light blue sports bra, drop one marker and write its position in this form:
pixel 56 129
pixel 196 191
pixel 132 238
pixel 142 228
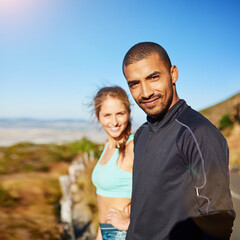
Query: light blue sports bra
pixel 110 180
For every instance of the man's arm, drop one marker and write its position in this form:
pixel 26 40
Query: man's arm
pixel 206 153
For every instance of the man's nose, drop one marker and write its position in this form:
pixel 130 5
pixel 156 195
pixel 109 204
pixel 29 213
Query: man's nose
pixel 146 90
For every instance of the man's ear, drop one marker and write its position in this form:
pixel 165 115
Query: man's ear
pixel 174 73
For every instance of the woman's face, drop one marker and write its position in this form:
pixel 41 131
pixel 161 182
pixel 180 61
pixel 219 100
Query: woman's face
pixel 113 117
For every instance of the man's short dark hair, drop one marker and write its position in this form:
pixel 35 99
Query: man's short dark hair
pixel 143 50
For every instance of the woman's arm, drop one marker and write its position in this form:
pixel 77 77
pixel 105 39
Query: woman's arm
pixel 99 234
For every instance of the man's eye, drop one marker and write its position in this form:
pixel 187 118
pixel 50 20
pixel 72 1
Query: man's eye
pixel 155 77
pixel 133 84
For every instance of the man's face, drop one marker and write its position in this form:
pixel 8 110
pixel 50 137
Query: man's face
pixel 151 84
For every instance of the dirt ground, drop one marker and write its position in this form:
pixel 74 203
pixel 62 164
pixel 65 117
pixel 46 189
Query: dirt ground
pixel 34 213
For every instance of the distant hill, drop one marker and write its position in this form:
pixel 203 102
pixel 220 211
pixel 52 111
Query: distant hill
pixel 216 112
pixel 48 131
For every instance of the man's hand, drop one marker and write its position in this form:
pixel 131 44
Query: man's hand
pixel 119 219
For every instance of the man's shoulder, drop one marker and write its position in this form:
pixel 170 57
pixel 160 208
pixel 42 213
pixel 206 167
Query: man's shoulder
pixel 196 122
pixel 139 131
pixel 193 118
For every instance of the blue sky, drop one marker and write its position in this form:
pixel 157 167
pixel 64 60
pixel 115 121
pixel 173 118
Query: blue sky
pixel 55 54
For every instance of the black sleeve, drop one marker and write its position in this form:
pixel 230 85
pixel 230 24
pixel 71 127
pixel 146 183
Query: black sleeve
pixel 206 156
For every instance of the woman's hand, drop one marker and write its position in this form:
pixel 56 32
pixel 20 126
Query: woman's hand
pixel 119 219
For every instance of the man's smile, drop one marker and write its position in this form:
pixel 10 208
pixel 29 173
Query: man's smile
pixel 150 102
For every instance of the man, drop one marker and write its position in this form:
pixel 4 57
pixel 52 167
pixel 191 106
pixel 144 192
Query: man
pixel 180 174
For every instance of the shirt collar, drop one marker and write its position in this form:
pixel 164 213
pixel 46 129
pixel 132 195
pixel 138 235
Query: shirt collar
pixel 168 117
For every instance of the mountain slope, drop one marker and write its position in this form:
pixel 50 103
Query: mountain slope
pixel 216 112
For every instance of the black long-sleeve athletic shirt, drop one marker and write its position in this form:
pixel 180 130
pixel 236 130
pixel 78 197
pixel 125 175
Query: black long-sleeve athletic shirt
pixel 180 179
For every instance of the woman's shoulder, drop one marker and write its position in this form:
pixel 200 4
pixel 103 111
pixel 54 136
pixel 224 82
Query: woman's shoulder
pixel 130 138
pixel 129 155
pixel 129 145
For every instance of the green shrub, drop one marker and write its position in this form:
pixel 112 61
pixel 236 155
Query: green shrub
pixel 29 157
pixel 225 122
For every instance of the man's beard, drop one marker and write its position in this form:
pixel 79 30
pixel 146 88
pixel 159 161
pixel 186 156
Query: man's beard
pixel 163 108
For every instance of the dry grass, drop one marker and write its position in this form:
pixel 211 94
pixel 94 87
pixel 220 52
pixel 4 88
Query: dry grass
pixel 33 216
pixel 234 146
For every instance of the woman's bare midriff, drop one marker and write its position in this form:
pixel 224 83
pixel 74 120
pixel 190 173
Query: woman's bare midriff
pixel 105 203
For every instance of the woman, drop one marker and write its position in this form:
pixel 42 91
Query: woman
pixel 112 174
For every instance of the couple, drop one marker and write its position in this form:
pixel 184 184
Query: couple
pixel 180 183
